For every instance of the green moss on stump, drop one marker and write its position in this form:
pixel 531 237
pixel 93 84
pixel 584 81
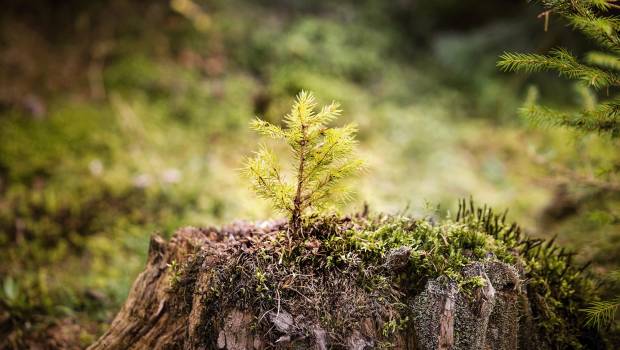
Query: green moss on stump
pixel 368 271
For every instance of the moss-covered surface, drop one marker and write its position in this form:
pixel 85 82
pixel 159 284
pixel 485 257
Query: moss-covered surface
pixel 359 268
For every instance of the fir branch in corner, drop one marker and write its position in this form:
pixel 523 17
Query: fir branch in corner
pixel 559 60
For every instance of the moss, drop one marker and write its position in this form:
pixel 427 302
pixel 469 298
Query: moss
pixel 358 268
pixel 556 287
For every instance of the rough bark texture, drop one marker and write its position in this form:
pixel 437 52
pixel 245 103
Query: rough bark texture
pixel 495 316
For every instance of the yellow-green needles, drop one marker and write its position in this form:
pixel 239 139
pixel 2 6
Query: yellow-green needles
pixel 323 157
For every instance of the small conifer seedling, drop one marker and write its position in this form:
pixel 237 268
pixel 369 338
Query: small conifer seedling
pixel 323 157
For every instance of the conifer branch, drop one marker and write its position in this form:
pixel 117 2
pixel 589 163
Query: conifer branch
pixel 605 119
pixel 602 313
pixel 595 19
pixel 604 60
pixel 561 61
pixel 599 69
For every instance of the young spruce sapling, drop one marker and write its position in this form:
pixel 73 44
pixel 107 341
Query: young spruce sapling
pixel 323 156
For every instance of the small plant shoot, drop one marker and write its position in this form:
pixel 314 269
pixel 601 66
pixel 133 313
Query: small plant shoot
pixel 323 157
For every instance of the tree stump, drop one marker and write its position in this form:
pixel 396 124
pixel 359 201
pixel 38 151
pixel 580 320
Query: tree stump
pixel 158 316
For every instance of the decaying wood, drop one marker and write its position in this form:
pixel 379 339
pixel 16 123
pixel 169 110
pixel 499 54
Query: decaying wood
pixel 490 317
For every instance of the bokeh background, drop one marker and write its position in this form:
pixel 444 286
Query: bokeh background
pixel 119 119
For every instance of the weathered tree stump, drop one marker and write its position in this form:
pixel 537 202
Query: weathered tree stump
pixel 156 316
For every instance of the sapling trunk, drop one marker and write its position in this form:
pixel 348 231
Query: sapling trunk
pixel 297 202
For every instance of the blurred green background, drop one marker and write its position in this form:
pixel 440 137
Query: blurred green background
pixel 119 119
